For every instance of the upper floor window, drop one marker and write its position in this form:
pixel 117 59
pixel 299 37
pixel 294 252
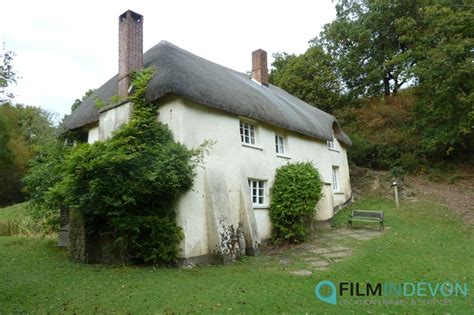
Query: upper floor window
pixel 280 144
pixel 257 191
pixel 331 144
pixel 247 133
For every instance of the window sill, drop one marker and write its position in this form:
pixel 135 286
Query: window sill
pixel 338 192
pixel 283 156
pixel 251 146
pixel 261 207
pixel 334 150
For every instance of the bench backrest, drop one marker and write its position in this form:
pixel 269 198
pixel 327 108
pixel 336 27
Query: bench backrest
pixel 367 214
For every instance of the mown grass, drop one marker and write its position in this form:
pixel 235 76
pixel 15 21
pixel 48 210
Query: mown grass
pixel 424 242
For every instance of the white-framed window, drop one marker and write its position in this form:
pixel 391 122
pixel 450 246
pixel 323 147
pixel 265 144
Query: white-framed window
pixel 280 144
pixel 247 133
pixel 257 191
pixel 331 144
pixel 335 179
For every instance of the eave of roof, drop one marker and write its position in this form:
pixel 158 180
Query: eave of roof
pixel 187 75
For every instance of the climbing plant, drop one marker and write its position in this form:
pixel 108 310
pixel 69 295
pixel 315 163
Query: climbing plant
pixel 126 187
pixel 295 192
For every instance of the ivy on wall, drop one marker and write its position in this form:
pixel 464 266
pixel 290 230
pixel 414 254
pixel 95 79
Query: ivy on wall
pixel 126 187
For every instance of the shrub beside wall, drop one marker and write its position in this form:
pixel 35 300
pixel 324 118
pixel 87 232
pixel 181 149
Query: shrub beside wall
pixel 294 195
pixel 121 192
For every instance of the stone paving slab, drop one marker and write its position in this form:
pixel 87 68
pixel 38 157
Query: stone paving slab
pixel 321 250
pixel 346 232
pixel 286 261
pixel 321 247
pixel 301 272
pixel 320 263
pixel 338 254
pixel 362 237
pixel 339 248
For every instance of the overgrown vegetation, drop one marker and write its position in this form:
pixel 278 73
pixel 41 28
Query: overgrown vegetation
pixel 16 220
pixel 402 74
pixel 125 186
pixel 294 195
pixel 46 169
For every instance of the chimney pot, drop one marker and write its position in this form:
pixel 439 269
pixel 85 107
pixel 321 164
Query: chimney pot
pixel 130 48
pixel 259 66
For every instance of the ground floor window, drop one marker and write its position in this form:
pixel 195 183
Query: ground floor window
pixel 335 179
pixel 257 191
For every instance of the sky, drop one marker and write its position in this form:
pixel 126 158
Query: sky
pixel 63 48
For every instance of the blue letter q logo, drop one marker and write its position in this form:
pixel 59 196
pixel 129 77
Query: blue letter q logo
pixel 331 297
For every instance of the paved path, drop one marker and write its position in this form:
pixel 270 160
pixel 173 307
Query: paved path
pixel 325 248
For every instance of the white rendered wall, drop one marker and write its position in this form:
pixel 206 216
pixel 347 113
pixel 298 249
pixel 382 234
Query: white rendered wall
pixel 193 123
pixel 93 134
pixel 112 119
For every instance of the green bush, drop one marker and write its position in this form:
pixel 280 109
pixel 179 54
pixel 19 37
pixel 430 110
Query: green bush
pixel 126 187
pixel 294 195
pixel 45 171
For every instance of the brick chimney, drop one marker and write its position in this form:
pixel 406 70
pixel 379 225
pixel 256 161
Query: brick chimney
pixel 130 48
pixel 259 66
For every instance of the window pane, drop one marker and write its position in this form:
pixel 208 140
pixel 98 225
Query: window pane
pixel 335 183
pixel 260 200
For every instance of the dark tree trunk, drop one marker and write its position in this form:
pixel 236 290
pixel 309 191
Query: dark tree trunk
pixel 395 87
pixel 386 86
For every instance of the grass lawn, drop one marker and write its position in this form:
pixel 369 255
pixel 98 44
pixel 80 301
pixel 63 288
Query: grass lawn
pixel 425 242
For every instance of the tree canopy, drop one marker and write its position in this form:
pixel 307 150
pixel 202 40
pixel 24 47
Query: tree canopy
pixel 22 130
pixel 310 77
pixel 376 48
pixel 7 74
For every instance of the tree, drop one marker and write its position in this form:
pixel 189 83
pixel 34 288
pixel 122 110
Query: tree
pixel 7 74
pixel 309 76
pixel 22 129
pixel 365 42
pixel 442 40
pixel 78 101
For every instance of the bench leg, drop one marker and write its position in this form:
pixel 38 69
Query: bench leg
pixel 381 227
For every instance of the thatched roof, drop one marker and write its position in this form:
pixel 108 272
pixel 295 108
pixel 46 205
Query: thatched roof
pixel 192 77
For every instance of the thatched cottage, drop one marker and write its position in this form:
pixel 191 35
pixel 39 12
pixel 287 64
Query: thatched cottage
pixel 257 127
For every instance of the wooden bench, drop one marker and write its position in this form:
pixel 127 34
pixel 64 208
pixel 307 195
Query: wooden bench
pixel 366 216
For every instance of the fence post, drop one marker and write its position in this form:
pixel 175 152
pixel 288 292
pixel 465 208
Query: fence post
pixel 395 190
